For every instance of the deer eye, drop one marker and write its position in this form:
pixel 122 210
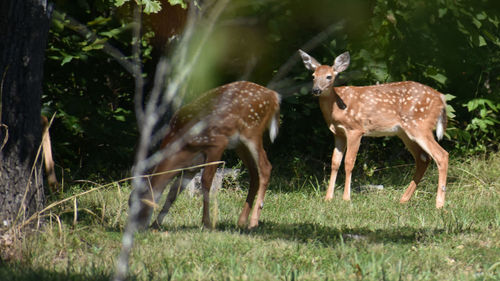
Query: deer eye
pixel 329 77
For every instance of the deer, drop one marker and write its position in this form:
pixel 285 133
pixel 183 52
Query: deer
pixel 408 109
pixel 232 116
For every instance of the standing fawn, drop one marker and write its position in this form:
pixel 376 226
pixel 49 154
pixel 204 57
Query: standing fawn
pixel 232 116
pixel 408 110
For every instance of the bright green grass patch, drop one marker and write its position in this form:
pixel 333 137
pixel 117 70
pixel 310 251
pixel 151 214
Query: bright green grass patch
pixel 300 236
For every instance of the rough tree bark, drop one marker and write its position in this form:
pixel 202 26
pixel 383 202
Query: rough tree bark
pixel 24 26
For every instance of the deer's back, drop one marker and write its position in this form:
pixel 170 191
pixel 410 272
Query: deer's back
pixel 227 110
pixel 380 109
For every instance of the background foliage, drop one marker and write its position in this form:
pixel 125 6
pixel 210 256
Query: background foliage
pixel 453 46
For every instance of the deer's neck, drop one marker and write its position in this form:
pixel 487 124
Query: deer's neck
pixel 329 106
pixel 330 100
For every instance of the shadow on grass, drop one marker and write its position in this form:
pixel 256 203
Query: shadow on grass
pixel 24 272
pixel 306 232
pixel 15 271
pixel 328 236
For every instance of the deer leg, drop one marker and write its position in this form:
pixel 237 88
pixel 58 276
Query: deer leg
pixel 247 158
pixel 213 154
pixel 440 156
pixel 264 175
pixel 338 153
pixel 150 195
pixel 422 161
pixel 177 187
pixel 353 142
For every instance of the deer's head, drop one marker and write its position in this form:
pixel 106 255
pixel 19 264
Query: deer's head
pixel 324 75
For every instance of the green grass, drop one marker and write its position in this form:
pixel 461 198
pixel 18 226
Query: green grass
pixel 300 236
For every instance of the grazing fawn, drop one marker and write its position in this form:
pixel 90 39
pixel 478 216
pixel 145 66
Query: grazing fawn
pixel 232 116
pixel 408 110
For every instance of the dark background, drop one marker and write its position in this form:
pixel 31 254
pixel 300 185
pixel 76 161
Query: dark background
pixel 452 46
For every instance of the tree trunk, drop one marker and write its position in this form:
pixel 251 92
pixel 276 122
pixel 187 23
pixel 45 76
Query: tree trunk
pixel 24 26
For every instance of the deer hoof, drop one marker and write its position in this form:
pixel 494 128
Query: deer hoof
pixel 404 200
pixel 242 224
pixel 155 225
pixel 439 205
pixel 253 224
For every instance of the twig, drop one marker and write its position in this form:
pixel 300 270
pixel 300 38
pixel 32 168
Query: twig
pixel 113 52
pixel 393 167
pixel 137 66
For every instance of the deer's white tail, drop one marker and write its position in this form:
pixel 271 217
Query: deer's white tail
pixel 273 125
pixel 442 120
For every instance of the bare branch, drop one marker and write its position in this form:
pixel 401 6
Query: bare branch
pixel 113 52
pixel 169 78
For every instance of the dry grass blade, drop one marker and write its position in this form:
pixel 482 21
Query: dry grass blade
pixel 73 197
pixel 6 137
pixel 473 175
pixel 75 211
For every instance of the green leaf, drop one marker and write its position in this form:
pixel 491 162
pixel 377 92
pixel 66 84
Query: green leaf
pixel 494 21
pixel 450 111
pixel 442 12
pixel 59 22
pixel 119 3
pixel 475 103
pixel 439 78
pixel 434 73
pixel 449 97
pixel 472 104
pixel 151 6
pixel 98 21
pixel 488 122
pixel 178 2
pixel 482 42
pixel 481 16
pixel 483 112
pixel 115 31
pixel 462 28
pixel 120 118
pixel 96 45
pixel 66 59
pixel 490 104
pixel 491 37
pixel 476 23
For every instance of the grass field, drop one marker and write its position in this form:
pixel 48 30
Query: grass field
pixel 300 236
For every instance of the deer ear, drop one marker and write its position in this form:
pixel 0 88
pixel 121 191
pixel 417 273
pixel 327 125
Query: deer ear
pixel 309 61
pixel 341 62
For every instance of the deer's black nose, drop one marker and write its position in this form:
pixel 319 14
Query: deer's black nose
pixel 316 91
